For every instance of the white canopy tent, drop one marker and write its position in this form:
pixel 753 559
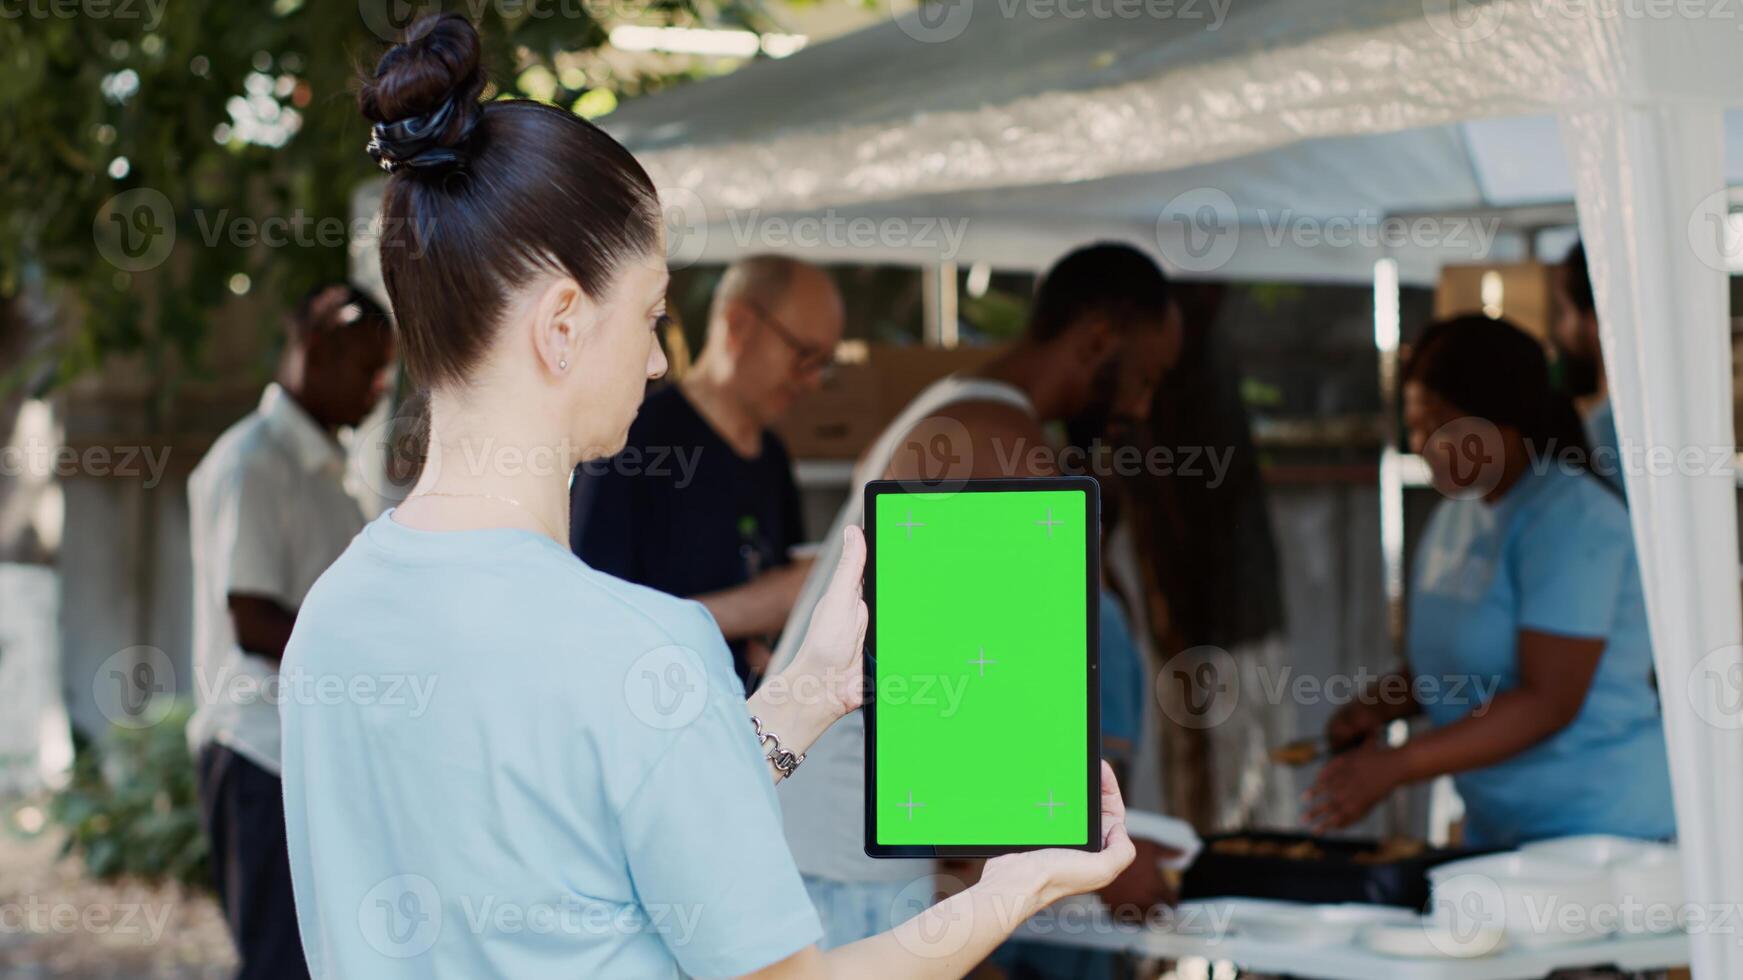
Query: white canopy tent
pixel 1466 192
pixel 1202 129
pixel 1292 120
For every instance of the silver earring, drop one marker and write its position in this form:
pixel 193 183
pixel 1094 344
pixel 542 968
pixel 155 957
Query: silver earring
pixel 562 364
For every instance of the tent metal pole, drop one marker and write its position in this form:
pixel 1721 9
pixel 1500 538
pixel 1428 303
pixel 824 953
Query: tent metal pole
pixel 938 305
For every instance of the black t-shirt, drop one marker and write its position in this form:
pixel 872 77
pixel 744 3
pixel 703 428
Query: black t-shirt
pixel 680 511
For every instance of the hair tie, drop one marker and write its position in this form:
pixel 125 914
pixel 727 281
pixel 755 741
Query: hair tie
pixel 417 142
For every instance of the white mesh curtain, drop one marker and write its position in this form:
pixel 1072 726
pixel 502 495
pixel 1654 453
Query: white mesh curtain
pixel 1651 203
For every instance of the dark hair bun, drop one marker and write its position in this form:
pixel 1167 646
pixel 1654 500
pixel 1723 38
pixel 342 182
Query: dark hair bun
pixel 423 97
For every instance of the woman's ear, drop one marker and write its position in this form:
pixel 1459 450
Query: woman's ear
pixel 564 320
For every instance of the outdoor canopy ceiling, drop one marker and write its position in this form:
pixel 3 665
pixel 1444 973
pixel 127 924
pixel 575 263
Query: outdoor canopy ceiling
pixel 1009 132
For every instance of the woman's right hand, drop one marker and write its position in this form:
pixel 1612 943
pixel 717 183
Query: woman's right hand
pixel 1062 872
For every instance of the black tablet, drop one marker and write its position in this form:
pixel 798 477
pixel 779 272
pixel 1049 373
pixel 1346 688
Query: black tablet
pixel 982 730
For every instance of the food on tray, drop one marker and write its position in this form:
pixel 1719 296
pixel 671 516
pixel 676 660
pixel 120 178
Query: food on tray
pixel 1306 849
pixel 1392 849
pixel 1292 850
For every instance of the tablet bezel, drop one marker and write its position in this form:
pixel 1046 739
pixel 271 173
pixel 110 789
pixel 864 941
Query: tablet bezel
pixel 1092 633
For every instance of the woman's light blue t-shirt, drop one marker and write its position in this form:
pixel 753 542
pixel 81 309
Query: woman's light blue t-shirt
pixel 1606 457
pixel 1122 682
pixel 500 762
pixel 1554 555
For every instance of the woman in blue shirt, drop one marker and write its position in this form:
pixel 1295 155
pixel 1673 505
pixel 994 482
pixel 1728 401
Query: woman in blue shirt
pixel 1527 642
pixel 498 761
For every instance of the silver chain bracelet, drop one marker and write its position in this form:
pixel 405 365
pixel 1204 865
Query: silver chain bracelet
pixel 783 760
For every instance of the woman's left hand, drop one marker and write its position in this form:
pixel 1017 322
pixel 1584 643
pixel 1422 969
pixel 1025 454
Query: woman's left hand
pixel 1351 784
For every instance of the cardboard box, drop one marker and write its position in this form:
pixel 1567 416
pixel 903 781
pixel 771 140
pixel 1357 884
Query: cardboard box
pixel 841 418
pixel 838 420
pixel 1523 292
pixel 904 372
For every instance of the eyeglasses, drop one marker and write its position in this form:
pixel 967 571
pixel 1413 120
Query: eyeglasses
pixel 807 357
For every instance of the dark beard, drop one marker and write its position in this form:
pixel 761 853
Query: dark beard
pixel 1575 374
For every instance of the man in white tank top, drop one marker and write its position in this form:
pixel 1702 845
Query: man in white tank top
pixel 1102 317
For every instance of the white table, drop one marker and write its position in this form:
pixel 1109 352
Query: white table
pixel 1087 929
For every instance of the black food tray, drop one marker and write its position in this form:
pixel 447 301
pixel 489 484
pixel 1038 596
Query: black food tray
pixel 1335 877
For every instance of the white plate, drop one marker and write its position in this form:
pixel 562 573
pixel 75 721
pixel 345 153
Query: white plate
pixel 1299 923
pixel 1362 914
pixel 1540 901
pixel 1592 850
pixel 1646 880
pixel 1649 890
pixel 1167 831
pixel 1427 939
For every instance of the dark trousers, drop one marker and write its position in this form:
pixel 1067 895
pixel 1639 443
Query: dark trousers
pixel 242 810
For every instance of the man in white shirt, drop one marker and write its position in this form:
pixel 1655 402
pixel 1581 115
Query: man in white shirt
pixel 268 512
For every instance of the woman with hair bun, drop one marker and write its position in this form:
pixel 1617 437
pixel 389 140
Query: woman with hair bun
pixel 1527 640
pixel 498 761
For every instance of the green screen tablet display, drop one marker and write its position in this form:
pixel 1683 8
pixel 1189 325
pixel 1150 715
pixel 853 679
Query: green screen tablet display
pixel 981 630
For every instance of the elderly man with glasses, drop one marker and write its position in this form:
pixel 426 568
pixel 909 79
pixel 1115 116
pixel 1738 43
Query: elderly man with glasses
pixel 701 502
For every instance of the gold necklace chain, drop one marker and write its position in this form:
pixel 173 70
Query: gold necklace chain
pixel 492 496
